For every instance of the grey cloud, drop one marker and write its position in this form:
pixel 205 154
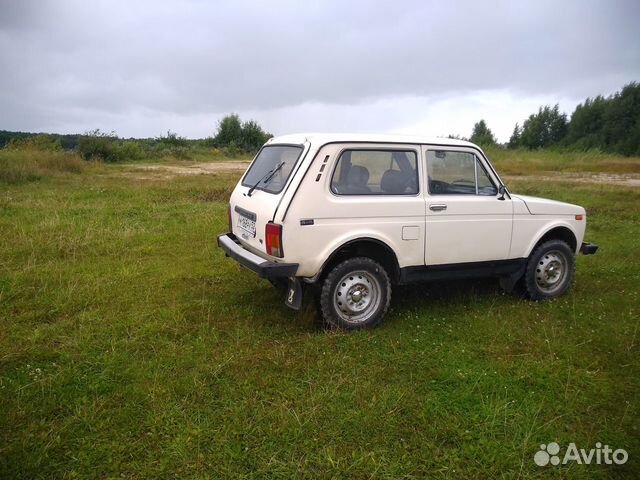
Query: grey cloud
pixel 59 59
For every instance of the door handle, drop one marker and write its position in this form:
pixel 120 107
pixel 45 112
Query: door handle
pixel 438 207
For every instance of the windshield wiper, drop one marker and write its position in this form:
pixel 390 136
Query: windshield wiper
pixel 273 172
pixel 268 176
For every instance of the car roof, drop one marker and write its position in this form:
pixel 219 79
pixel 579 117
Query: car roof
pixel 317 139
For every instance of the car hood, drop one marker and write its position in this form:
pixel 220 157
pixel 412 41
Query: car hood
pixel 544 206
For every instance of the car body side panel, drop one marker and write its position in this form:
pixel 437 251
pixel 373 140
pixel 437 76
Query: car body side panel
pixel 338 219
pixel 545 206
pixel 529 229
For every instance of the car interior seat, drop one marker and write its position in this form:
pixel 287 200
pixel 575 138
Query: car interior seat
pixel 394 182
pixel 357 179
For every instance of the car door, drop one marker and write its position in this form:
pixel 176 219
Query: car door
pixel 466 218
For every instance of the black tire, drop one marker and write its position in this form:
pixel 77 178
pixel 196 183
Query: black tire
pixel 549 270
pixel 355 294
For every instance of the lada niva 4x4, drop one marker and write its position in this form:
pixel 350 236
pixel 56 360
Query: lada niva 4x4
pixel 351 216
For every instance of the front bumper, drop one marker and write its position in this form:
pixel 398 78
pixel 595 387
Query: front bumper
pixel 588 248
pixel 264 268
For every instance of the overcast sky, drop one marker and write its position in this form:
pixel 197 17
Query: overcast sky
pixel 144 67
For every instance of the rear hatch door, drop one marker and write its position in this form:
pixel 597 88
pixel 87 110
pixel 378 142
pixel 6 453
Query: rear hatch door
pixel 256 197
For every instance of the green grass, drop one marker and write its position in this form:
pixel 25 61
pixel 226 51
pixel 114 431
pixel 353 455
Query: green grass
pixel 131 347
pixel 22 166
pixel 524 162
pixel 18 166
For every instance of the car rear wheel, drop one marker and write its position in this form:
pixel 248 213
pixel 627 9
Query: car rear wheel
pixel 355 294
pixel 550 270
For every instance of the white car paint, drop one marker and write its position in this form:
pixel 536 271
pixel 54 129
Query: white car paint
pixel 544 206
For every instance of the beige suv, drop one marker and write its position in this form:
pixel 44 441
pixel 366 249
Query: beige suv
pixel 350 216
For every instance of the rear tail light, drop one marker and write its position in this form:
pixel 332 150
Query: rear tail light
pixel 273 236
pixel 229 218
pixel 579 217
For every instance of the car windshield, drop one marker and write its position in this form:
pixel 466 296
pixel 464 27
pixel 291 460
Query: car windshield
pixel 268 159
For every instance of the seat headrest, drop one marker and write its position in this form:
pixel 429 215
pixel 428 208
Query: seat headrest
pixel 358 175
pixel 393 182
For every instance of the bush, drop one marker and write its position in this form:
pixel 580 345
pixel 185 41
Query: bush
pixel 98 145
pixel 129 150
pixel 233 135
pixel 172 140
pixel 180 153
pixel 41 142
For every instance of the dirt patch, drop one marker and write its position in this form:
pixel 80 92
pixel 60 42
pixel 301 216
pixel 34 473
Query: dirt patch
pixel 143 171
pixel 621 180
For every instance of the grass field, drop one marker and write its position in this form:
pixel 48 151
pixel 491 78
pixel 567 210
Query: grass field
pixel 131 348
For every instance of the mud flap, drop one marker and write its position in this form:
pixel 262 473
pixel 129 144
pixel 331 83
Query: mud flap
pixel 294 293
pixel 508 282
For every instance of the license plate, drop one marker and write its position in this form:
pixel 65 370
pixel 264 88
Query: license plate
pixel 247 225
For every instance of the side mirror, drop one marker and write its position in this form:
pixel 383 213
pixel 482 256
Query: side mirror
pixel 502 190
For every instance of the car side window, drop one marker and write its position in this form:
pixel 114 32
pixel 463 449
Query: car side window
pixel 376 172
pixel 452 172
pixel 485 184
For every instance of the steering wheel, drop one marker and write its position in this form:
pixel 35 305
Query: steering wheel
pixel 462 180
pixel 437 186
pixel 412 183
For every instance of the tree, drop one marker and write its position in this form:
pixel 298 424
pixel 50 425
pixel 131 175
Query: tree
pixel 545 128
pixel 253 137
pixel 621 121
pixel 232 133
pixel 609 123
pixel 482 135
pixel 585 127
pixel 229 131
pixel 516 137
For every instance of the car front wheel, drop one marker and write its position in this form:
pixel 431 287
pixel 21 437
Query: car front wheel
pixel 355 294
pixel 549 270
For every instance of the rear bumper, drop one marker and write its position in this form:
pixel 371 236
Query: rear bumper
pixel 264 268
pixel 588 248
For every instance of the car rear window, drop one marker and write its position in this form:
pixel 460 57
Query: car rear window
pixel 270 158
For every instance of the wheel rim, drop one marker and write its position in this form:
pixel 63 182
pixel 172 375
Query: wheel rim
pixel 551 271
pixel 357 296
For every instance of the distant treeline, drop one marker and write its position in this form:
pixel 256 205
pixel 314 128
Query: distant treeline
pixel 232 135
pixel 610 124
pixel 68 142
